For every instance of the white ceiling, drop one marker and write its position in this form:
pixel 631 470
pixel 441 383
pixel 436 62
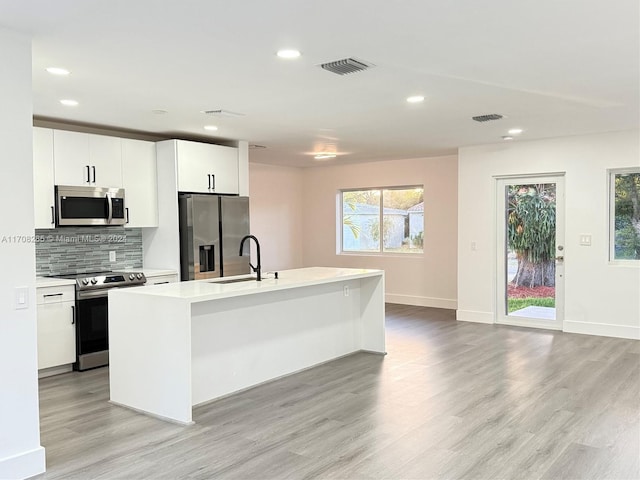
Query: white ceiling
pixel 551 67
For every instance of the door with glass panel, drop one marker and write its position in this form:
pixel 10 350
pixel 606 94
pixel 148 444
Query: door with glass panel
pixel 530 251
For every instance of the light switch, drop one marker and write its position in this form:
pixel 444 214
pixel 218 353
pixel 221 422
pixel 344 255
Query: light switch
pixel 585 239
pixel 474 246
pixel 22 298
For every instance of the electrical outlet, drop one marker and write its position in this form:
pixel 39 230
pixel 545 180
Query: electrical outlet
pixel 22 298
pixel 346 290
pixel 112 256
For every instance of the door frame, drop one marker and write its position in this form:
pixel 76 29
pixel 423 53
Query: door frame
pixel 500 264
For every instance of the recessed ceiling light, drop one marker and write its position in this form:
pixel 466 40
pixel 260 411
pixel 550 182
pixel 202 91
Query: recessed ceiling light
pixel 159 111
pixel 325 156
pixel 58 71
pixel 69 103
pixel 415 99
pixel 288 53
pixel 211 128
pixel 515 131
pixel 507 137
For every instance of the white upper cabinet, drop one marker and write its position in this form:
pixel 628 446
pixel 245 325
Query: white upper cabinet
pixel 87 159
pixel 206 168
pixel 43 194
pixel 140 183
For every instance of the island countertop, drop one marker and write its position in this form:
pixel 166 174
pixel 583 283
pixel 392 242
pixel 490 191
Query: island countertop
pixel 211 289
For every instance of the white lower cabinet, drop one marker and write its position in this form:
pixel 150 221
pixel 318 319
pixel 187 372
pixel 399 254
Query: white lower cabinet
pixel 56 326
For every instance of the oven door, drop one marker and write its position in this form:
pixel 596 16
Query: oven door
pixel 92 330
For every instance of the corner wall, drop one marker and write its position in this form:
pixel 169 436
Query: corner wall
pixel 21 455
pixel 428 279
pixel 600 298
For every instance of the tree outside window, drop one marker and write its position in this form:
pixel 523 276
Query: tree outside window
pixel 389 220
pixel 625 214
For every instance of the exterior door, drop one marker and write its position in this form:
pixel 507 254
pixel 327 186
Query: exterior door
pixel 530 251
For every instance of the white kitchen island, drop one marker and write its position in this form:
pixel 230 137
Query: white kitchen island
pixel 177 345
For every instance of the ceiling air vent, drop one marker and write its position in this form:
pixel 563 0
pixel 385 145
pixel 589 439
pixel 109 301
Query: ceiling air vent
pixel 222 113
pixel 487 118
pixel 346 66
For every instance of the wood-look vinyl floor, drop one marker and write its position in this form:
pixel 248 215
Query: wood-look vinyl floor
pixel 450 400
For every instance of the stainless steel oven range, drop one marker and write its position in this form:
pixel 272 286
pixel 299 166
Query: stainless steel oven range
pixel 92 314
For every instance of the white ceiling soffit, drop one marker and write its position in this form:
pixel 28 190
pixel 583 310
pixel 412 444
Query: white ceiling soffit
pixel 552 68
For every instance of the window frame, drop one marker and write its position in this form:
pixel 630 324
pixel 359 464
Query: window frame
pixel 612 215
pixel 380 252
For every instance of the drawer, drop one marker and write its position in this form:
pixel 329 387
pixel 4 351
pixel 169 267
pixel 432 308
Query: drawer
pixel 66 293
pixel 162 279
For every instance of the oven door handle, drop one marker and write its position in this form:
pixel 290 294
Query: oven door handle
pixel 73 315
pixel 109 208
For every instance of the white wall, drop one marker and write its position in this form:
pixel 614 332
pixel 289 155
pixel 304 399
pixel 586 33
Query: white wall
pixel 276 212
pixel 21 455
pixel 428 279
pixel 600 298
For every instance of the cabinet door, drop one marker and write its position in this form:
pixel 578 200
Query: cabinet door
pixel 71 158
pixel 43 194
pixel 206 168
pixel 140 182
pixel 56 334
pixel 105 159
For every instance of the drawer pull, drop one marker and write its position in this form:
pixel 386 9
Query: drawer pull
pixel 52 295
pixel 160 283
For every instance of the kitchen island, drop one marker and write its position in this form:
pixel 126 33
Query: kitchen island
pixel 177 345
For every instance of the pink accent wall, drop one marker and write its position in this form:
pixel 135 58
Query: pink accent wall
pixel 276 214
pixel 294 213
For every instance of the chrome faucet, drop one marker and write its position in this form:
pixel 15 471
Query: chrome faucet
pixel 258 267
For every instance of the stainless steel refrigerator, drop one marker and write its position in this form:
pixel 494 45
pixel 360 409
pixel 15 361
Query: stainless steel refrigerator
pixel 211 228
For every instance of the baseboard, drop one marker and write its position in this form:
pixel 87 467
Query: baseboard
pixel 602 329
pixel 23 465
pixel 473 316
pixel 421 301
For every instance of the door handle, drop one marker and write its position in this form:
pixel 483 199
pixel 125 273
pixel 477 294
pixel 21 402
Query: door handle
pixel 560 258
pixel 73 315
pixel 94 173
pixel 109 209
pixel 53 217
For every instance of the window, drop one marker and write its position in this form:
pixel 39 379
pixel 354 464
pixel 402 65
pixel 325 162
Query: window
pixel 625 214
pixel 389 220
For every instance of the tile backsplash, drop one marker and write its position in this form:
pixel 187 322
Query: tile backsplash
pixel 86 249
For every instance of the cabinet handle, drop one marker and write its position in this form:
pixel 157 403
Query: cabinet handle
pixel 213 182
pixel 209 177
pixel 159 283
pixel 53 217
pixel 94 173
pixel 127 212
pixel 52 295
pixel 88 175
pixel 73 315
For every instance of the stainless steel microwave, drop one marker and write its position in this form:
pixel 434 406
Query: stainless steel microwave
pixel 76 206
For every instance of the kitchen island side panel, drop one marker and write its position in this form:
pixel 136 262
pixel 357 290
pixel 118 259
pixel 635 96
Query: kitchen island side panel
pixel 243 341
pixel 150 354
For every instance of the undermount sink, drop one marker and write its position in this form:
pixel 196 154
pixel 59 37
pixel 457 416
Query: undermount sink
pixel 235 280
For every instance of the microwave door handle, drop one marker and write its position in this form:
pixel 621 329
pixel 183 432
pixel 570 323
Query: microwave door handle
pixel 109 208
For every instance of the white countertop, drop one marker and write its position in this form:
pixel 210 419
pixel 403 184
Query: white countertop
pixel 42 282
pixel 212 289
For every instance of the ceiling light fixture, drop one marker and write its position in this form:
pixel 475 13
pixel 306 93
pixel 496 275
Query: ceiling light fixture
pixel 415 99
pixel 515 131
pixel 69 103
pixel 211 128
pixel 58 71
pixel 159 111
pixel 507 137
pixel 288 53
pixel 325 156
